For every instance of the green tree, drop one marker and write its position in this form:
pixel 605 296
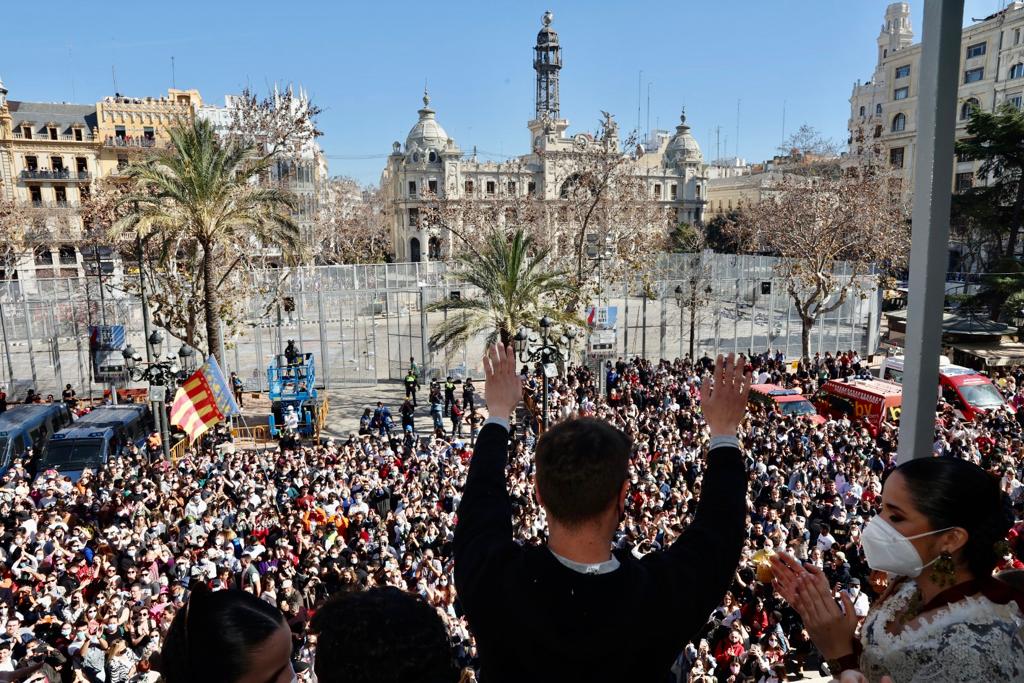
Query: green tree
pixel 199 199
pixel 994 209
pixel 516 287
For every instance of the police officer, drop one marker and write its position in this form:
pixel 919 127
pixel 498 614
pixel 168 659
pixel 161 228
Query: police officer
pixel 412 383
pixel 449 394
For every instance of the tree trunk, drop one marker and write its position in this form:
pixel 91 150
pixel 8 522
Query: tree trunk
pixel 1015 220
pixel 210 306
pixel 806 325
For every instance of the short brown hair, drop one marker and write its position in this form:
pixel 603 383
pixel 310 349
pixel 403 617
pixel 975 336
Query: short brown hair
pixel 581 465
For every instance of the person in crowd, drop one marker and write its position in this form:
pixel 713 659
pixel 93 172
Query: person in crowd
pixel 437 411
pixel 468 395
pixel 237 388
pixel 938 536
pixel 69 397
pixel 564 601
pixel 456 413
pixel 382 635
pixel 227 636
pixel 449 393
pixel 412 383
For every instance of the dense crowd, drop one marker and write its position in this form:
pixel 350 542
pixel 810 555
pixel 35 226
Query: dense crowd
pixel 93 572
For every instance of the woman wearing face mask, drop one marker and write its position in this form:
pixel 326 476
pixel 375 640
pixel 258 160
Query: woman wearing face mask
pixel 943 617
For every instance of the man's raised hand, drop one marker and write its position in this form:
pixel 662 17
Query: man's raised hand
pixel 503 389
pixel 725 403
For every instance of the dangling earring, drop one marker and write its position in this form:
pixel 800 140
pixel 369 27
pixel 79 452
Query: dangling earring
pixel 944 570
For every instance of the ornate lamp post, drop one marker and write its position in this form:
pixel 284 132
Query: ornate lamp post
pixel 529 351
pixel 160 374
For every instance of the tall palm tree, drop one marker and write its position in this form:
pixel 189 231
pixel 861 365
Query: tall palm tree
pixel 516 288
pixel 203 192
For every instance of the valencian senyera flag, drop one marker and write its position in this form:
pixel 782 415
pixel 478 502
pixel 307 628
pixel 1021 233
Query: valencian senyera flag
pixel 203 400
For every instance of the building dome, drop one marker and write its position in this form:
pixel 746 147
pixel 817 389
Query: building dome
pixel 427 135
pixel 683 147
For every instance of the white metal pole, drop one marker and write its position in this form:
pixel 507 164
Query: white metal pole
pixel 933 179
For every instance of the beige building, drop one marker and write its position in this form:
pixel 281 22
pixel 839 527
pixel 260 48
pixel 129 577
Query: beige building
pixel 883 111
pixel 128 126
pixel 431 163
pixel 49 157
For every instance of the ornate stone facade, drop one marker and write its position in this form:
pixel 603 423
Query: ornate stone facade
pixel 431 164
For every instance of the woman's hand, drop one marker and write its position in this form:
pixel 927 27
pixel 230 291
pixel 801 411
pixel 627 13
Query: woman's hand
pixel 503 389
pixel 831 629
pixel 786 571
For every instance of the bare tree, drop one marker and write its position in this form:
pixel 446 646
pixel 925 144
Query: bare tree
pixel 281 123
pixel 22 228
pixel 604 197
pixel 350 225
pixel 808 143
pixel 832 231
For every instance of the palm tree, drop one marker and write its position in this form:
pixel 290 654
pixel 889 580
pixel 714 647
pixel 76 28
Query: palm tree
pixel 516 289
pixel 202 192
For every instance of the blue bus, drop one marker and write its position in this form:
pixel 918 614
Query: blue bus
pixel 29 426
pixel 95 438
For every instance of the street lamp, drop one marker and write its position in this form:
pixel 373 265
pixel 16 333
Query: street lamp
pixel 186 357
pixel 160 374
pixel 156 340
pixel 680 296
pixel 529 352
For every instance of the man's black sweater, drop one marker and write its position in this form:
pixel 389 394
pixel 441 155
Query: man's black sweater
pixel 537 620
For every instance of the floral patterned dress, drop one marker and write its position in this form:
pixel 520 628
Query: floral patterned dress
pixel 978 637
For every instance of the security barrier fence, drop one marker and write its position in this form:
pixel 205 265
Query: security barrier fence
pixel 365 322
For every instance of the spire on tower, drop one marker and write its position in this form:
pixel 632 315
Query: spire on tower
pixel 547 62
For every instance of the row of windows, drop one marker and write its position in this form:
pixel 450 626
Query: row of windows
pixel 60 194
pixel 878 109
pixel 52 133
pixel 899 121
pixel 490 188
pixel 56 164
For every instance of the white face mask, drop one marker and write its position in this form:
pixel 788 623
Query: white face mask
pixel 886 549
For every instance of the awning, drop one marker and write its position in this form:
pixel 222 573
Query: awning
pixel 1007 353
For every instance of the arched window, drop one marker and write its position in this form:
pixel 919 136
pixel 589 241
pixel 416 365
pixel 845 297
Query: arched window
pixel 1017 70
pixel 967 107
pixel 434 248
pixel 414 250
pixel 899 122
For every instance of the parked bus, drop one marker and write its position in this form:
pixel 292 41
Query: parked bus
pixel 867 401
pixel 29 426
pixel 95 438
pixel 784 401
pixel 969 392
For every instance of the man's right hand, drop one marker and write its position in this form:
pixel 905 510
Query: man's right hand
pixel 504 388
pixel 725 403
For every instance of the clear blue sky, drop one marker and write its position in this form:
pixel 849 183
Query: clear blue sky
pixel 365 63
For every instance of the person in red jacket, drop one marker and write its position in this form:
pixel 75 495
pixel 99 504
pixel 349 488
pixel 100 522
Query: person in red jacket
pixel 731 647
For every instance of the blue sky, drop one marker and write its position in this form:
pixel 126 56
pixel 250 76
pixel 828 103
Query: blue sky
pixel 365 63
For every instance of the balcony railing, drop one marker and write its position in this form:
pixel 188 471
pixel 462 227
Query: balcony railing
pixel 52 204
pixel 63 137
pixel 46 174
pixel 116 141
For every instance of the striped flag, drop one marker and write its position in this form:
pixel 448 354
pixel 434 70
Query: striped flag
pixel 203 400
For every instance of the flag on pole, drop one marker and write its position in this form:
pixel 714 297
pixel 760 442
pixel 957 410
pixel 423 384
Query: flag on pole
pixel 203 400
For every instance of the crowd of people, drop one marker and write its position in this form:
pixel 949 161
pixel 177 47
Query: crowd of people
pixel 93 572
